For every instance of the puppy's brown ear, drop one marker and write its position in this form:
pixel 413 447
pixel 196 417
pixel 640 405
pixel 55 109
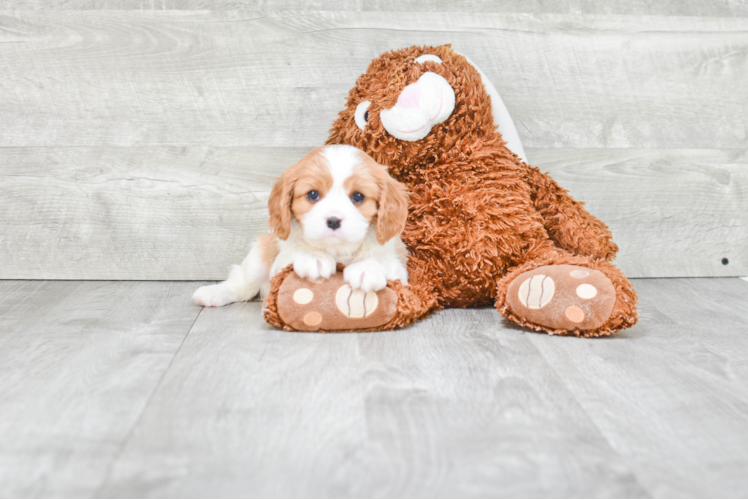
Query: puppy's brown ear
pixel 393 207
pixel 279 205
pixel 281 197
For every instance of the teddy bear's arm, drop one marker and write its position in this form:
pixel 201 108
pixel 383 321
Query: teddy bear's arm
pixel 568 224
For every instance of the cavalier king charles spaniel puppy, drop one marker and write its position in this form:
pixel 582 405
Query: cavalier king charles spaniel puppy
pixel 335 206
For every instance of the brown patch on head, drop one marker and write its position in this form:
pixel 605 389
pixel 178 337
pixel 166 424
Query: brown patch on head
pixel 364 180
pixel 386 199
pixel 288 199
pixel 385 79
pixel 315 176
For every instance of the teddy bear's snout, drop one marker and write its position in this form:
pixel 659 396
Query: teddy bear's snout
pixel 410 96
pixel 419 107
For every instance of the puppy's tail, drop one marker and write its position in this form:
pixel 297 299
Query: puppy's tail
pixel 245 281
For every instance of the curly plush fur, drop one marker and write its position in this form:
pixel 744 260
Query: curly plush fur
pixel 479 216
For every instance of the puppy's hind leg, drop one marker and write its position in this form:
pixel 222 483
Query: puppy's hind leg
pixel 245 281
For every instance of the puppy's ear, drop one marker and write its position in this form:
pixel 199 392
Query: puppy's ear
pixel 281 197
pixel 279 204
pixel 393 207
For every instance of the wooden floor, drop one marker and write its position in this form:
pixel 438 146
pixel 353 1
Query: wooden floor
pixel 127 389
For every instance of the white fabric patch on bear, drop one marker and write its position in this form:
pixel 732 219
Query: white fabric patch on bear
pixel 428 57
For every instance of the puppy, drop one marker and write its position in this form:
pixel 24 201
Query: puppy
pixel 336 205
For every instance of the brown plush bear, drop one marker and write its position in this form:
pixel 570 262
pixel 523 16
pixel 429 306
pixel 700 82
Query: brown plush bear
pixel 484 227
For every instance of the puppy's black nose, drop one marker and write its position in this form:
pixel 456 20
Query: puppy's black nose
pixel 333 223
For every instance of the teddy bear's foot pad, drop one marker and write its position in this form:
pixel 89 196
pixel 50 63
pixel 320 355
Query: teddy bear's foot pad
pixel 331 305
pixel 562 297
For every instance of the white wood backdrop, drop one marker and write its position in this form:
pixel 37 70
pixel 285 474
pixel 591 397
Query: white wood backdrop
pixel 141 144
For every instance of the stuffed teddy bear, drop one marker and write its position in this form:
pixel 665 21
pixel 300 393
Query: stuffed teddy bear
pixel 484 227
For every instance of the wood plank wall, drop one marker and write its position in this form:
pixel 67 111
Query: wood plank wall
pixel 140 142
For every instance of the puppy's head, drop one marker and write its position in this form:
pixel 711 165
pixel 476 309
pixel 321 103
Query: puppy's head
pixel 337 194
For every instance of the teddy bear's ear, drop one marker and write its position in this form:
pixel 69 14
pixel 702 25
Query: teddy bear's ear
pixel 393 207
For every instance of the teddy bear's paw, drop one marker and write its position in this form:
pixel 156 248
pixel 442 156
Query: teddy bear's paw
pixel 562 297
pixel 332 305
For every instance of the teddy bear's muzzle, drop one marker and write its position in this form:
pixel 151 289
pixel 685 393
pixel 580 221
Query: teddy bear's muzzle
pixel 420 106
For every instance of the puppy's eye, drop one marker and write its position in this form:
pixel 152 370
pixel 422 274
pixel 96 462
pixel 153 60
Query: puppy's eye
pixel 312 196
pixel 362 114
pixel 357 197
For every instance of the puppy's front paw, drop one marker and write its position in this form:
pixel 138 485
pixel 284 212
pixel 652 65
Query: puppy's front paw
pixel 367 275
pixel 214 295
pixel 314 266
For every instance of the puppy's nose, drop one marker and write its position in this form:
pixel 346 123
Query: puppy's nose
pixel 333 223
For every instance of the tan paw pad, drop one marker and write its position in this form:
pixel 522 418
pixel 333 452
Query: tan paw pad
pixel 562 297
pixel 574 314
pixel 586 291
pixel 331 305
pixel 312 318
pixel 303 296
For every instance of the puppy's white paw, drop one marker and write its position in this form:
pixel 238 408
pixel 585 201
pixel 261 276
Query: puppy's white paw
pixel 314 266
pixel 368 275
pixel 214 295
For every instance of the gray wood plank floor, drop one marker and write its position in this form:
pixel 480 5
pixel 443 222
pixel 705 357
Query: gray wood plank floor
pixel 120 389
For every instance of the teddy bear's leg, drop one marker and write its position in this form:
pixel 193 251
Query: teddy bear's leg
pixel 298 304
pixel 565 294
pixel 569 225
